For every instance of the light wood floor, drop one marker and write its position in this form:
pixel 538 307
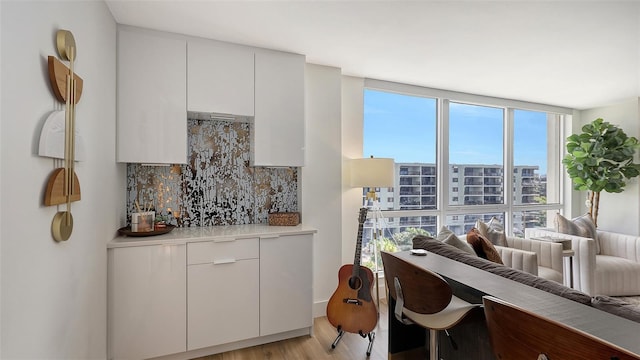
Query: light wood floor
pixel 318 346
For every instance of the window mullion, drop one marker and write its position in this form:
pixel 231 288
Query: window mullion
pixel 442 160
pixel 508 170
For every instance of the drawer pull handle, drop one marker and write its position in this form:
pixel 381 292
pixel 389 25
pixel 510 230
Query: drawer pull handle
pixel 224 240
pixel 269 237
pixel 224 261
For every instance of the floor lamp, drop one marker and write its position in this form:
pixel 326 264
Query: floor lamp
pixel 373 173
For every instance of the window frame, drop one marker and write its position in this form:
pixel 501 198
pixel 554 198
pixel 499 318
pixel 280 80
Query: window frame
pixel 443 98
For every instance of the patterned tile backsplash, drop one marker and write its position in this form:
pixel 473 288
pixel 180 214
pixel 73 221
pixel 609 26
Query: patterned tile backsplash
pixel 217 186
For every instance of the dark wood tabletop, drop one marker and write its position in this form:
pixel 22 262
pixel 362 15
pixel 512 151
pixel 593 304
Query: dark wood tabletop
pixel 614 329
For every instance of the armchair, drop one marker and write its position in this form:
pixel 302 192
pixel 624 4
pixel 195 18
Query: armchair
pixel 536 257
pixel 615 271
pixel 548 259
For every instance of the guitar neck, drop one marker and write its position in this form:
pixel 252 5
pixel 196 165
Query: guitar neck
pixel 358 255
pixel 356 260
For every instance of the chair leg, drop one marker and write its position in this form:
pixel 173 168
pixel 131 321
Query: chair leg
pixel 433 344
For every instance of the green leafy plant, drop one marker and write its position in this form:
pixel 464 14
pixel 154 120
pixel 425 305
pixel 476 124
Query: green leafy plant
pixel 600 159
pixel 398 242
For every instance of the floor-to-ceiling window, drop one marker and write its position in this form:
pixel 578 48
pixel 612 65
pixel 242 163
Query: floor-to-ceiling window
pixel 457 161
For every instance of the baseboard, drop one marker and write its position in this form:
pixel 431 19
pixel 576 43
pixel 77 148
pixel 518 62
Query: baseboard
pixel 237 345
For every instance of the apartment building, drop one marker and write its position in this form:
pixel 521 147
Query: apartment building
pixel 470 184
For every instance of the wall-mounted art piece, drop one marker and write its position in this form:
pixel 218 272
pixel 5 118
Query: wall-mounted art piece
pixel 63 186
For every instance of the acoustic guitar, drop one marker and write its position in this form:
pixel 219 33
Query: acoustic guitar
pixel 351 307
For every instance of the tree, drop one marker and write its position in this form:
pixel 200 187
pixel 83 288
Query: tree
pixel 404 239
pixel 601 158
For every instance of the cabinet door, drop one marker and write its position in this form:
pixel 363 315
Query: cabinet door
pixel 147 301
pixel 223 303
pixel 278 138
pixel 152 98
pixel 285 283
pixel 220 78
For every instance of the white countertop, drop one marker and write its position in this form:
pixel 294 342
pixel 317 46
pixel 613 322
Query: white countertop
pixel 184 235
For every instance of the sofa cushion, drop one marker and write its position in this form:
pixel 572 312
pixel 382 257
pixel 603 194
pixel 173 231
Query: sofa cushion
pixel 448 237
pixel 437 247
pixel 482 246
pixel 542 284
pixel 616 307
pixel 493 230
pixel 579 226
pixel 617 276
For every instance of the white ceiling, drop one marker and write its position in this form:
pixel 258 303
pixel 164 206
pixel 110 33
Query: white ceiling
pixel 578 54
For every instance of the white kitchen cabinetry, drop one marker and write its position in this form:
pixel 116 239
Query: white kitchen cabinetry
pixel 220 78
pixel 152 98
pixel 147 305
pixel 201 291
pixel 278 137
pixel 223 292
pixel 286 291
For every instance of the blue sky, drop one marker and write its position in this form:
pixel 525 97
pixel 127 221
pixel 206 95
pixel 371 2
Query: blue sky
pixel 403 127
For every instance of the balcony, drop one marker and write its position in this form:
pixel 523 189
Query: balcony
pixel 428 180
pixel 429 170
pixel 409 201
pixel 409 170
pixel 428 190
pixel 473 171
pixel 492 172
pixel 493 181
pixel 409 180
pixel 473 191
pixel 493 190
pixel 409 190
pixel 473 181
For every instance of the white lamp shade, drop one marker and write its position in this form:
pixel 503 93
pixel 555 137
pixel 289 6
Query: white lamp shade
pixel 372 172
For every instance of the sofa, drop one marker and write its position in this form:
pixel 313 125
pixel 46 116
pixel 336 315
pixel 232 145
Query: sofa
pixel 607 265
pixel 540 258
pixel 604 303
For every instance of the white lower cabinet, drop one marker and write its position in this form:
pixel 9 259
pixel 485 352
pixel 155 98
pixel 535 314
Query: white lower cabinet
pixel 208 295
pixel 147 304
pixel 223 294
pixel 286 289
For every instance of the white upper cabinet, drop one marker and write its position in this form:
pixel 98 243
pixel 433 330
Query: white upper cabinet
pixel 220 78
pixel 278 137
pixel 152 98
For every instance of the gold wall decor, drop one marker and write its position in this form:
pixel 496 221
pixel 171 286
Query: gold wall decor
pixel 63 186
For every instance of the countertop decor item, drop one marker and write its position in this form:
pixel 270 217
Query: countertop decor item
pixel 126 231
pixel 284 218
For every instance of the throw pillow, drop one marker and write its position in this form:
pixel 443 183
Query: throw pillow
pixel 580 226
pixel 493 230
pixel 482 246
pixel 448 237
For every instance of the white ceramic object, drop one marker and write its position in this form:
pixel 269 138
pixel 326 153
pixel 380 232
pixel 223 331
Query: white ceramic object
pixel 52 138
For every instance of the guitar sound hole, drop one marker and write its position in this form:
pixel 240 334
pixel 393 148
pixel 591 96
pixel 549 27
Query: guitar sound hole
pixel 355 283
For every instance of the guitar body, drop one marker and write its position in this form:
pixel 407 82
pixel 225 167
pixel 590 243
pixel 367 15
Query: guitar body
pixel 351 307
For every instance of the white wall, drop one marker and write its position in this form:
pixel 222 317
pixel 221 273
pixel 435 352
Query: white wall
pixel 618 212
pixel 321 178
pixel 53 301
pixel 352 125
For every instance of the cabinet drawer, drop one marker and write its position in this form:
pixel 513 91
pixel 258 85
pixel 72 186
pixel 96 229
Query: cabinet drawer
pixel 222 250
pixel 223 303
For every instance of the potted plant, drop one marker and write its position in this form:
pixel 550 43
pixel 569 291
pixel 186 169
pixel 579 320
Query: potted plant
pixel 601 158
